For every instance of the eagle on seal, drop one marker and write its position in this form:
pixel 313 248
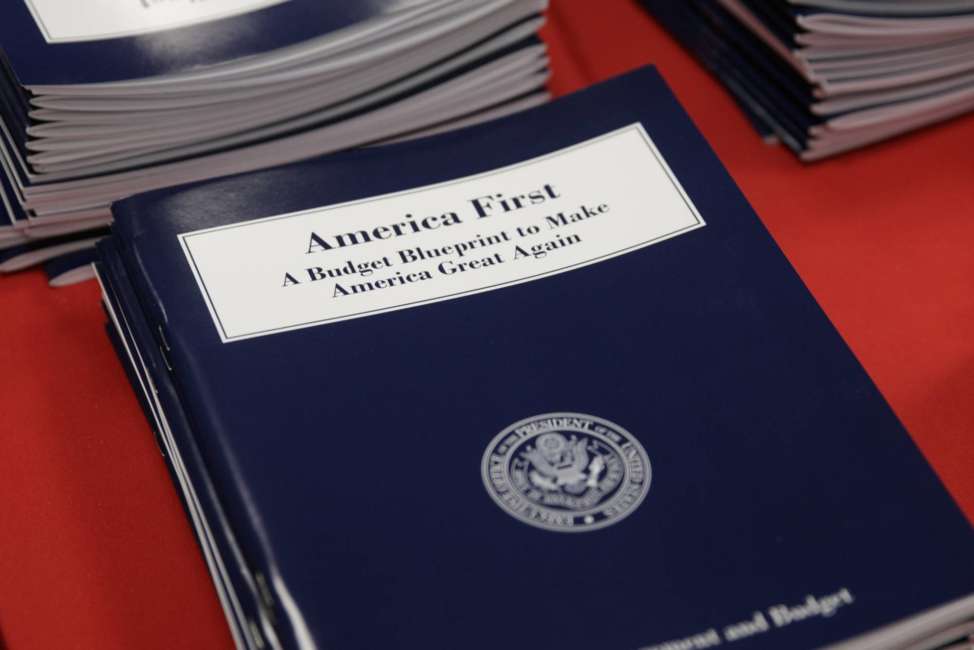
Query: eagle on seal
pixel 560 463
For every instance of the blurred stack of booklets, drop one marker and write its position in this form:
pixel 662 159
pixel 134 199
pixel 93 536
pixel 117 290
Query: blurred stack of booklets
pixel 827 76
pixel 102 100
pixel 544 382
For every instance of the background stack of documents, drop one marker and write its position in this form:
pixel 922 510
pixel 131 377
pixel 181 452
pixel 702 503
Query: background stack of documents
pixel 98 102
pixel 827 76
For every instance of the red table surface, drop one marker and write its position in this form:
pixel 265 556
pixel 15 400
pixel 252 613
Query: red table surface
pixel 95 551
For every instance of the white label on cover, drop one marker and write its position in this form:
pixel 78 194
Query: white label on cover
pixel 66 21
pixel 581 205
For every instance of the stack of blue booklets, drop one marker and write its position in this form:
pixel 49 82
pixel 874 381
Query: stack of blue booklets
pixel 828 76
pixel 102 100
pixel 544 382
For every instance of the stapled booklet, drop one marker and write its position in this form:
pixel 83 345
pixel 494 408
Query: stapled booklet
pixel 545 382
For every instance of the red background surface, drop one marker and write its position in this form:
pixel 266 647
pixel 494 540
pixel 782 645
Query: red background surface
pixel 94 549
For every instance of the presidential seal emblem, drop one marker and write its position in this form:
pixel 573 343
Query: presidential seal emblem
pixel 567 472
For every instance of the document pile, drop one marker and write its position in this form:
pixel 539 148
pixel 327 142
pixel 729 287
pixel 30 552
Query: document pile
pixel 827 76
pixel 544 382
pixel 102 100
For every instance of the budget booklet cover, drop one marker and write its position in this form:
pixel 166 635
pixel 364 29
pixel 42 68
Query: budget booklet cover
pixel 541 383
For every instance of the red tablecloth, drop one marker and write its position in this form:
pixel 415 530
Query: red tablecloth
pixel 94 549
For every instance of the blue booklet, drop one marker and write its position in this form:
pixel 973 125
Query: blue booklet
pixel 240 589
pixel 70 268
pixel 749 69
pixel 543 382
pixel 104 100
pixel 828 77
pixel 53 42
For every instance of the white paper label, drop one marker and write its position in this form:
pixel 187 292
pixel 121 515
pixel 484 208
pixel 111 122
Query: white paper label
pixel 65 21
pixel 578 206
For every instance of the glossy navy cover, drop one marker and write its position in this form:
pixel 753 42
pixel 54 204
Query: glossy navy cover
pixel 36 61
pixel 787 506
